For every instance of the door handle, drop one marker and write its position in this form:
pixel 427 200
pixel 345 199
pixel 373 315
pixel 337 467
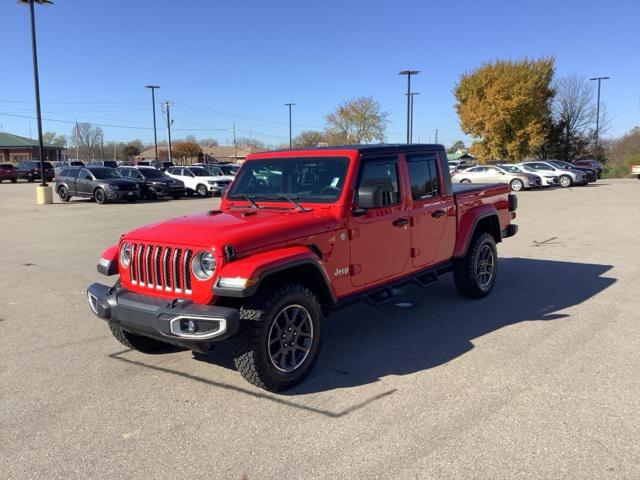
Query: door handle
pixel 400 222
pixel 438 213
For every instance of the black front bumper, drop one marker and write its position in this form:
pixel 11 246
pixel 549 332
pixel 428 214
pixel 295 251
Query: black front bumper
pixel 161 318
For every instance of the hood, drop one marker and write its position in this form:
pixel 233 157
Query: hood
pixel 120 182
pixel 245 229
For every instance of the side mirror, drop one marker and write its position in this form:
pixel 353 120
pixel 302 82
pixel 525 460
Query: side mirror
pixel 373 196
pixel 502 173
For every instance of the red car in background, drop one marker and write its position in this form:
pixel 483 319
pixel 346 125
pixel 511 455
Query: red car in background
pixel 8 172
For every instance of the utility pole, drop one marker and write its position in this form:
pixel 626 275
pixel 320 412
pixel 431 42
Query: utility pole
pixel 235 144
pixel 599 79
pixel 290 137
pixel 77 141
pixel 166 106
pixel 436 136
pixel 408 73
pixel 153 102
pixel 102 146
pixel 114 151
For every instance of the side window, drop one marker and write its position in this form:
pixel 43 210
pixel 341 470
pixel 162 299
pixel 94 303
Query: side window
pixel 84 175
pixel 382 171
pixel 64 173
pixel 216 171
pixel 124 172
pixel 423 176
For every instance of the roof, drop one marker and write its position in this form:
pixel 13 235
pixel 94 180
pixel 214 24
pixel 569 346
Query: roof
pixel 459 155
pixel 9 140
pixel 373 148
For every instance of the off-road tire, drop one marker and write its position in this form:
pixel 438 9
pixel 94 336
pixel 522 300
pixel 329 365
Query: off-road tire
pixel 136 342
pixel 63 193
pixel 100 196
pixel 250 346
pixel 565 181
pixel 516 185
pixel 465 271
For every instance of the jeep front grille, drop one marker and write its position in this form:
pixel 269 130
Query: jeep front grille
pixel 161 268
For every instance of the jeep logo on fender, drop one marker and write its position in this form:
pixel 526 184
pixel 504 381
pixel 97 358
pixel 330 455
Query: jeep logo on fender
pixel 341 272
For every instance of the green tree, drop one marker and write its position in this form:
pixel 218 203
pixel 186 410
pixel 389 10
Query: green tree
pixel 457 145
pixel 186 150
pixel 308 138
pixel 131 150
pixel 360 120
pixel 505 106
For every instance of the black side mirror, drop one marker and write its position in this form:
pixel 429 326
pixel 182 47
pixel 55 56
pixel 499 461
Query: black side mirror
pixel 373 196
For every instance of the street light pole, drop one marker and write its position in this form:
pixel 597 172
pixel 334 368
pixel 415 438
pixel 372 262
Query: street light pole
pixel 599 79
pixel 36 79
pixel 408 73
pixel 153 102
pixel 411 116
pixel 167 108
pixel 290 137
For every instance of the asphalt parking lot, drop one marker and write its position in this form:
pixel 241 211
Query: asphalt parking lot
pixel 539 380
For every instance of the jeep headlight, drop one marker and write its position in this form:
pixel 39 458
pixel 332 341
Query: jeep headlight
pixel 203 265
pixel 125 254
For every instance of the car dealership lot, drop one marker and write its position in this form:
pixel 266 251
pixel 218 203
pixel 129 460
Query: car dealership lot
pixel 539 380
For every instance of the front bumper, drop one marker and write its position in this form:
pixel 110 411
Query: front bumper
pixel 122 194
pixel 162 319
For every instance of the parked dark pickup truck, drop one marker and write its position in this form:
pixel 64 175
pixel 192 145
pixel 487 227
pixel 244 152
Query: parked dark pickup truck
pixel 298 234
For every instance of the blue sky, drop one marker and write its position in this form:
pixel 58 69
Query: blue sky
pixel 238 62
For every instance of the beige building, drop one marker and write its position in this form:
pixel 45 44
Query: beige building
pixel 219 153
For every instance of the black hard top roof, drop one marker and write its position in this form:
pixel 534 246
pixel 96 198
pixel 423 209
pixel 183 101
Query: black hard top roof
pixel 366 148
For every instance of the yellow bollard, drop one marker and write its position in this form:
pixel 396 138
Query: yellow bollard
pixel 44 195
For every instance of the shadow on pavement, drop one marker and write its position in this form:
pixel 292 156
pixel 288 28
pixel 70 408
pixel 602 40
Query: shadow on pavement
pixel 362 344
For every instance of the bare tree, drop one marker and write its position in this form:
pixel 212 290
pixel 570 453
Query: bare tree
pixel 574 115
pixel 360 120
pixel 308 138
pixel 87 138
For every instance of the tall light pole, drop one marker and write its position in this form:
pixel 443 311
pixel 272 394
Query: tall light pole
pixel 408 73
pixel 153 102
pixel 411 116
pixel 599 79
pixel 290 137
pixel 166 106
pixel 36 78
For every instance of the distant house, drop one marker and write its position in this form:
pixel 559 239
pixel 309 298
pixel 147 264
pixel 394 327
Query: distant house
pixel 14 148
pixel 218 153
pixel 462 156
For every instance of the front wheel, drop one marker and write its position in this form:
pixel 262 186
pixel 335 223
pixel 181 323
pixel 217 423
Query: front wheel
pixel 279 338
pixel 202 190
pixel 475 274
pixel 100 196
pixel 516 184
pixel 152 194
pixel 565 181
pixel 30 178
pixel 176 196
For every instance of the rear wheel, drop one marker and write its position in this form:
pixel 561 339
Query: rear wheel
pixel 202 190
pixel 565 181
pixel 100 196
pixel 516 184
pixel 63 193
pixel 475 274
pixel 279 338
pixel 136 342
pixel 465 180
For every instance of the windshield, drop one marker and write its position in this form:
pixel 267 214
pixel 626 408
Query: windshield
pixel 229 170
pixel 309 179
pixel 151 173
pixel 103 173
pixel 510 168
pixel 559 164
pixel 200 172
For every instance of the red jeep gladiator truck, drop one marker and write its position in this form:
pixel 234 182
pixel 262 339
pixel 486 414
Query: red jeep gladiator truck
pixel 300 233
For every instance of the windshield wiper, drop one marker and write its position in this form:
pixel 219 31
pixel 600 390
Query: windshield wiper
pixel 250 200
pixel 293 201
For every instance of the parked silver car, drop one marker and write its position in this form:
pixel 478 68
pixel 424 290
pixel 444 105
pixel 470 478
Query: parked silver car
pixel 498 174
pixel 566 178
pixel 549 179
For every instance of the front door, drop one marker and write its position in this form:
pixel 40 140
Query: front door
pixel 380 238
pixel 84 183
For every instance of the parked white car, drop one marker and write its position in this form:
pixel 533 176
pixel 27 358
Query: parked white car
pixel 635 171
pixel 199 180
pixel 566 178
pixel 549 179
pixel 516 179
pixel 220 170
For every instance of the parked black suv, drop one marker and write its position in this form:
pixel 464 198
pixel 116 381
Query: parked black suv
pixel 100 183
pixel 30 171
pixel 153 183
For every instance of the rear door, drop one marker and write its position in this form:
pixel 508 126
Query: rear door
pixel 84 183
pixel 432 211
pixel 379 239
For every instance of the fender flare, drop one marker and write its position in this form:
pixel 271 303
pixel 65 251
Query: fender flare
pixel 256 268
pixel 468 226
pixel 108 264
